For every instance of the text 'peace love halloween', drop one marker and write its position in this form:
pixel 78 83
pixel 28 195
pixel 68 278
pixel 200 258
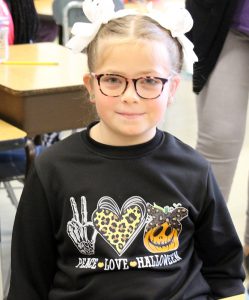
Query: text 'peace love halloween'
pixel 150 261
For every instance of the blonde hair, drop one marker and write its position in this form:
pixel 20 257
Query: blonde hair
pixel 134 27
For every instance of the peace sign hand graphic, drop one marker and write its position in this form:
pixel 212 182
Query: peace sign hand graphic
pixel 78 230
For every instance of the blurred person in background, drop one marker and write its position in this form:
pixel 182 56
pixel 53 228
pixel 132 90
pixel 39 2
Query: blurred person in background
pixel 221 81
pixel 5 13
pixel 25 20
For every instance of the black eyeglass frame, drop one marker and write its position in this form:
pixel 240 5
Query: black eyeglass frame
pixel 134 80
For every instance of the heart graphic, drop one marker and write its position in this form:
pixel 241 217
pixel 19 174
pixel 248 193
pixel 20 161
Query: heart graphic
pixel 118 227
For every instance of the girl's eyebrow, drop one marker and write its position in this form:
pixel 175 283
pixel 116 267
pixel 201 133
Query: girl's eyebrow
pixel 140 74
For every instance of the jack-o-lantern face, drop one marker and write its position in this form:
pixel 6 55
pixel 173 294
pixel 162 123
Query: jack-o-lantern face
pixel 162 232
pixel 162 238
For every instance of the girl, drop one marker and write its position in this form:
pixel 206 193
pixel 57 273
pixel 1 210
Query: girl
pixel 123 210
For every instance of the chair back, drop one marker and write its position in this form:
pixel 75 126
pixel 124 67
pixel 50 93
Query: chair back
pixel 67 12
pixel 13 163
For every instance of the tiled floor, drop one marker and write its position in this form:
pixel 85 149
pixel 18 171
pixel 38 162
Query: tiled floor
pixel 181 121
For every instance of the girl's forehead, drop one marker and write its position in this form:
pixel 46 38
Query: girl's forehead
pixel 125 55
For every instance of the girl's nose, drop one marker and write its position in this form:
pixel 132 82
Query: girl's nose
pixel 130 94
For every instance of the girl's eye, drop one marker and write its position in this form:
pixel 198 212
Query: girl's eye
pixel 149 81
pixel 111 79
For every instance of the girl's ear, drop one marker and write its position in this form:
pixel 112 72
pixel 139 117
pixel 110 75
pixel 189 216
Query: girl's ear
pixel 87 80
pixel 174 83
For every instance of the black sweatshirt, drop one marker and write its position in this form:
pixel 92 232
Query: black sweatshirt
pixel 119 223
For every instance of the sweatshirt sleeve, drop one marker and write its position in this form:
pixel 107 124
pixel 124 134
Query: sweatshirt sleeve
pixel 218 245
pixel 33 246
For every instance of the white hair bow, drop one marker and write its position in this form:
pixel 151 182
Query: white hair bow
pixel 177 20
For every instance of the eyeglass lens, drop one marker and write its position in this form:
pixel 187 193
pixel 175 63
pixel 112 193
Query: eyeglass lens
pixel 115 85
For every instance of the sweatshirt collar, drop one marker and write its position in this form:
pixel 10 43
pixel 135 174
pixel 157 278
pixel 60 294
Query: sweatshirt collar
pixel 122 152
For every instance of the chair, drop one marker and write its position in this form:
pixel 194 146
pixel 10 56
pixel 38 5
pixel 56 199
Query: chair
pixel 67 12
pixel 70 8
pixel 14 165
pixel 11 139
pixel 16 154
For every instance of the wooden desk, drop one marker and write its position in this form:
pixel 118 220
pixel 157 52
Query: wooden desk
pixel 41 99
pixel 44 7
pixel 11 136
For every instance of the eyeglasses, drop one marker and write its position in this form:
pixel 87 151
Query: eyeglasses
pixel 114 85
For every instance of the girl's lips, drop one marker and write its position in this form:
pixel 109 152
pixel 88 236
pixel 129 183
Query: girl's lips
pixel 130 115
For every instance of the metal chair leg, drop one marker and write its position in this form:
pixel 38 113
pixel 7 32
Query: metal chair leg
pixel 1 273
pixel 11 193
pixel 6 285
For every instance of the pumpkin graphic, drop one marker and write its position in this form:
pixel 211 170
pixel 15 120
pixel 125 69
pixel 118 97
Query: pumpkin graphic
pixel 161 234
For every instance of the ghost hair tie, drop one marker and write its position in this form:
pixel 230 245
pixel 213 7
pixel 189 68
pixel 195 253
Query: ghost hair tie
pixel 177 20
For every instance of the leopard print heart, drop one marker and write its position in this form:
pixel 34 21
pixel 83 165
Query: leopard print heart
pixel 118 227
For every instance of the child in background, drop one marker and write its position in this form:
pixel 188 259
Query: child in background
pixel 25 20
pixel 123 210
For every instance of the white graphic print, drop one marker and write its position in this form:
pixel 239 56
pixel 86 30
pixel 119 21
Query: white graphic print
pixel 160 261
pixel 78 230
pixel 118 227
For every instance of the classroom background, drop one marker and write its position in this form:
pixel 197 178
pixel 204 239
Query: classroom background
pixel 181 120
